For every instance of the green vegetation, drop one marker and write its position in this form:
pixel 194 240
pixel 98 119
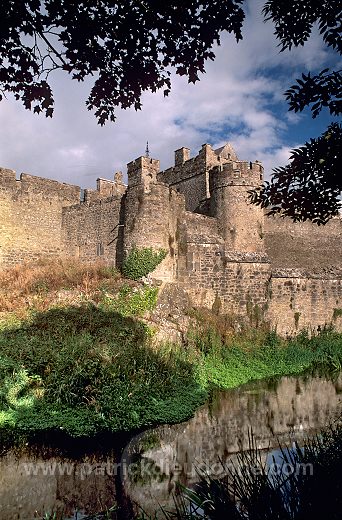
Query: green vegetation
pixel 92 368
pixel 260 355
pixel 337 314
pixel 141 262
pixel 131 301
pixel 86 369
pixel 75 356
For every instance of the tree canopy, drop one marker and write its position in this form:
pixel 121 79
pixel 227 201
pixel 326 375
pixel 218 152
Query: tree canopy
pixel 310 186
pixel 129 47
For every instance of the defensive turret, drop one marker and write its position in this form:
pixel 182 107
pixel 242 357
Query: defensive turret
pixel 240 222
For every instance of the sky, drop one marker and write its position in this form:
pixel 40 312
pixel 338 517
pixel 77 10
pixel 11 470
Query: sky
pixel 239 99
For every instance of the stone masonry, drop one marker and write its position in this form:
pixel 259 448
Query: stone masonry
pixel 223 251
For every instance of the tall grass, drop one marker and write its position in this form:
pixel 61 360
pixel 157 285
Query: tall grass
pixel 227 362
pixel 30 285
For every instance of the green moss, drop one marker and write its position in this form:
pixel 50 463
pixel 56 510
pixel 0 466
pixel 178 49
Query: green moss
pixel 296 319
pixel 255 314
pixel 337 314
pixel 217 305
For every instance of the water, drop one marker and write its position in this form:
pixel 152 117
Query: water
pixel 151 463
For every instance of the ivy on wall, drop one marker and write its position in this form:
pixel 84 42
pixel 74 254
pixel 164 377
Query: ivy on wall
pixel 141 262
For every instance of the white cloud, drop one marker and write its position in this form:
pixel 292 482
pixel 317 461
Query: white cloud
pixel 279 157
pixel 74 153
pixel 237 100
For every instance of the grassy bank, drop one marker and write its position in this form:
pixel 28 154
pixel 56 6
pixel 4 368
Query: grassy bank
pixel 88 369
pixel 90 365
pixel 259 355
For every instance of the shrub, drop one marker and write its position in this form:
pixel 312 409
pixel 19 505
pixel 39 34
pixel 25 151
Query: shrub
pixel 141 262
pixel 86 369
pixel 131 301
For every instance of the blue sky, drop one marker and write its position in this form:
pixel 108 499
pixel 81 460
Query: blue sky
pixel 239 99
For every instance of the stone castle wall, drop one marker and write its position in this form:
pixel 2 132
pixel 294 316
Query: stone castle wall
pixel 303 245
pixel 226 281
pixel 190 176
pixel 41 217
pixel 223 251
pixel 31 216
pixel 151 215
pixel 304 300
pixel 92 230
pixel 241 223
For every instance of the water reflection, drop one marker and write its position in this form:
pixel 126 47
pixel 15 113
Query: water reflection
pixel 31 485
pixel 152 462
pixel 281 411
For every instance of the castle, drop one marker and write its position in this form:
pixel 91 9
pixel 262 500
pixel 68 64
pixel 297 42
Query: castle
pixel 223 251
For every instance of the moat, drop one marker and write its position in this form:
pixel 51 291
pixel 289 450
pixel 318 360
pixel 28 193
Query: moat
pixel 151 463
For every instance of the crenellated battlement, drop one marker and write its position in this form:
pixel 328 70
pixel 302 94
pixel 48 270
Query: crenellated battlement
pixel 106 188
pixel 237 173
pixel 219 248
pixel 7 179
pixel 186 167
pixel 48 188
pixel 142 170
pixel 28 185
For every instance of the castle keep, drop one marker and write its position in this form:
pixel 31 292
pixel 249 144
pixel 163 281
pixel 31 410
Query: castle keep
pixel 223 251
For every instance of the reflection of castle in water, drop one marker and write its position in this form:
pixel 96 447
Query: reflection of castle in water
pixel 169 453
pixel 292 408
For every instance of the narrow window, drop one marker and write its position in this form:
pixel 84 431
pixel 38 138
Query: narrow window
pixel 100 249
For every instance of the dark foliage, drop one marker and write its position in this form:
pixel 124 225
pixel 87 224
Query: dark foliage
pixel 128 46
pixel 294 21
pixel 322 90
pixel 308 187
pixel 293 25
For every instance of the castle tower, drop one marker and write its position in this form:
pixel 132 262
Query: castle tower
pixel 143 172
pixel 240 222
pixel 150 214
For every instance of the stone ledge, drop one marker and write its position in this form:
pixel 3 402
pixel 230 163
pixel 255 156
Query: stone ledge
pixel 319 273
pixel 249 258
